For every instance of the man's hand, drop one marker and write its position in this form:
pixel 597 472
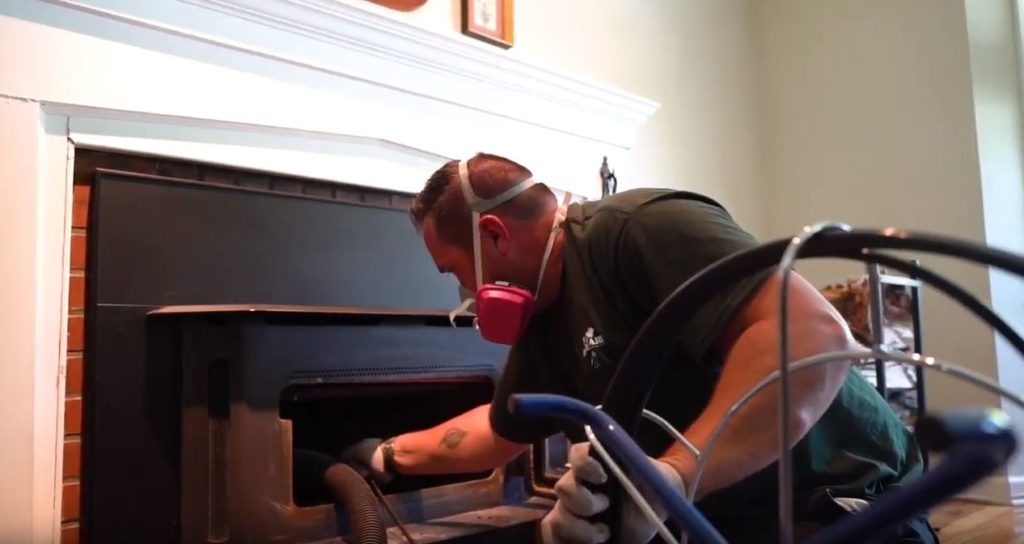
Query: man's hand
pixel 367 459
pixel 566 523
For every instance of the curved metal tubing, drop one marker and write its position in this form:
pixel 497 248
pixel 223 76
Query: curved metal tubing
pixel 847 356
pixel 576 411
pixel 785 456
pixel 645 357
pixel 638 498
pixel 671 431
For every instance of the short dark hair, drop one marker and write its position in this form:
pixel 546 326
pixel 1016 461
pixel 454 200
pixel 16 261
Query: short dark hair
pixel 442 198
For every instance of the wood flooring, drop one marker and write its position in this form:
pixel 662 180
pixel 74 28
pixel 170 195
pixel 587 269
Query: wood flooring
pixel 961 522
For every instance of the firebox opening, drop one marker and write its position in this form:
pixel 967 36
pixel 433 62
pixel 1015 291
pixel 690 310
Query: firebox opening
pixel 328 418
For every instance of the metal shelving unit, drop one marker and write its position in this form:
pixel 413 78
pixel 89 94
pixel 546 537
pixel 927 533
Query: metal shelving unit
pixel 878 281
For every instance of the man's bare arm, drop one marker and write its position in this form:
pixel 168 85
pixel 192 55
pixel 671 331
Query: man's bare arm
pixel 465 443
pixel 751 345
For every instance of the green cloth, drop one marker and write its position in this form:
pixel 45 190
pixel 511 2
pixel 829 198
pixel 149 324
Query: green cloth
pixel 624 255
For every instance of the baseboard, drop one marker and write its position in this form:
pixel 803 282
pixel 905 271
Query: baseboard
pixel 996 489
pixel 1017 490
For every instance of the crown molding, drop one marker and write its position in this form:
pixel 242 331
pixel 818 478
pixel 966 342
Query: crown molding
pixel 360 42
pixel 404 46
pixel 378 47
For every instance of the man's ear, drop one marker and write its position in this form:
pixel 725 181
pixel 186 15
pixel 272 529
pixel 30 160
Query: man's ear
pixel 493 231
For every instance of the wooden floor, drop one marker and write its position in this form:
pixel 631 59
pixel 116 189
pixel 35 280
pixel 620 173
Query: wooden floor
pixel 976 523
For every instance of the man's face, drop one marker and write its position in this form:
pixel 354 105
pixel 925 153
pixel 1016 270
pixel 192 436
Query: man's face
pixel 508 251
pixel 449 258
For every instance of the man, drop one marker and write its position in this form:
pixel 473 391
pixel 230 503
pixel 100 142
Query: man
pixel 594 273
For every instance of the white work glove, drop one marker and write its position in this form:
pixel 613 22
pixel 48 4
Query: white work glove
pixel 566 523
pixel 367 459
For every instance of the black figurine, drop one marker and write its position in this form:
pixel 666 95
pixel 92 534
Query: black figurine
pixel 608 181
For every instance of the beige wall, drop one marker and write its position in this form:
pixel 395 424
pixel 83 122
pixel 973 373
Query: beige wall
pixel 868 116
pixel 695 57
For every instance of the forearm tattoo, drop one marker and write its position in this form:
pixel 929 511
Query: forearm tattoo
pixel 452 437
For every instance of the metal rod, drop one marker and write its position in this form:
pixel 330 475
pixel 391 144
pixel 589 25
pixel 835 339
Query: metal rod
pixel 875 305
pixel 889 279
pixel 847 356
pixel 634 493
pixel 918 327
pixel 618 440
pixel 394 516
pixel 789 257
pixel 673 432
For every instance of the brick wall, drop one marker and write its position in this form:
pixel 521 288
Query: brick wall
pixel 86 164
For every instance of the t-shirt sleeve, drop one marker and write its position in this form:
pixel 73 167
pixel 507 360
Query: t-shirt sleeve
pixel 524 372
pixel 667 242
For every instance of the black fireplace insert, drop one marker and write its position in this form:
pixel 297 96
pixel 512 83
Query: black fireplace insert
pixel 228 326
pixel 259 383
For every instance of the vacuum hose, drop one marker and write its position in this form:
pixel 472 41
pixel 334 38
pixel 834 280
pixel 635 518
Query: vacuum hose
pixel 354 495
pixel 349 490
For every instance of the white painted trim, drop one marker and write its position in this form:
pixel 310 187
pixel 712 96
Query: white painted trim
pixel 1017 490
pixel 33 224
pixel 355 160
pixel 55 202
pixel 385 51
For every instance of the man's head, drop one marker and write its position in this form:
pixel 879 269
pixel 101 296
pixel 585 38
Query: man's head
pixel 513 235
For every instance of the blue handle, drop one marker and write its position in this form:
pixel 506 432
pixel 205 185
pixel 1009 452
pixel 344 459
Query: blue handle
pixel 621 446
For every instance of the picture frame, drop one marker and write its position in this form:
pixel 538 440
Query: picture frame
pixel 491 21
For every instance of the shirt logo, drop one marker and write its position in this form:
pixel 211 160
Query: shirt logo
pixel 590 342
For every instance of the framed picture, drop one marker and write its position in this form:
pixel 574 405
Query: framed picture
pixel 489 20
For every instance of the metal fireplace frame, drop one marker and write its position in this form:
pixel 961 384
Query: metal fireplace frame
pixel 236 450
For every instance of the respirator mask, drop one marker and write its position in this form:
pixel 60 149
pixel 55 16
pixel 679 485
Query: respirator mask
pixel 502 309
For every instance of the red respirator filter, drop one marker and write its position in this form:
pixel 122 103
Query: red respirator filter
pixel 503 312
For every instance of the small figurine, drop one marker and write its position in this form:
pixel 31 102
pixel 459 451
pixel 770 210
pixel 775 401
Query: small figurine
pixel 608 181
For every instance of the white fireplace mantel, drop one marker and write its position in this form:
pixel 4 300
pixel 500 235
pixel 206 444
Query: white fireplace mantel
pixel 326 72
pixel 333 89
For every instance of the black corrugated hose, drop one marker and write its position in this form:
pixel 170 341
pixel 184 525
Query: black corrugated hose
pixel 354 494
pixel 350 492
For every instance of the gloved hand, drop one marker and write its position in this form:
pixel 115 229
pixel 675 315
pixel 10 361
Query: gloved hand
pixel 367 459
pixel 566 523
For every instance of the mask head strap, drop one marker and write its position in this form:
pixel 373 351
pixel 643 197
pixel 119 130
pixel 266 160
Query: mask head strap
pixel 479 205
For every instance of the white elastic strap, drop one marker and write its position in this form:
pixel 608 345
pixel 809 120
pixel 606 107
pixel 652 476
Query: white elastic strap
pixel 478 262
pixel 544 262
pixel 478 204
pixel 645 507
pixel 555 227
pixel 462 308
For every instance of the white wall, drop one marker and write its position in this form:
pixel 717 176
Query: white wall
pixel 694 57
pixel 996 70
pixel 868 115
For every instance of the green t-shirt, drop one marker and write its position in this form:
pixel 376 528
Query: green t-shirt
pixel 624 255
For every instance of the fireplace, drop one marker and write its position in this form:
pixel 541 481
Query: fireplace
pixel 233 319
pixel 262 384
